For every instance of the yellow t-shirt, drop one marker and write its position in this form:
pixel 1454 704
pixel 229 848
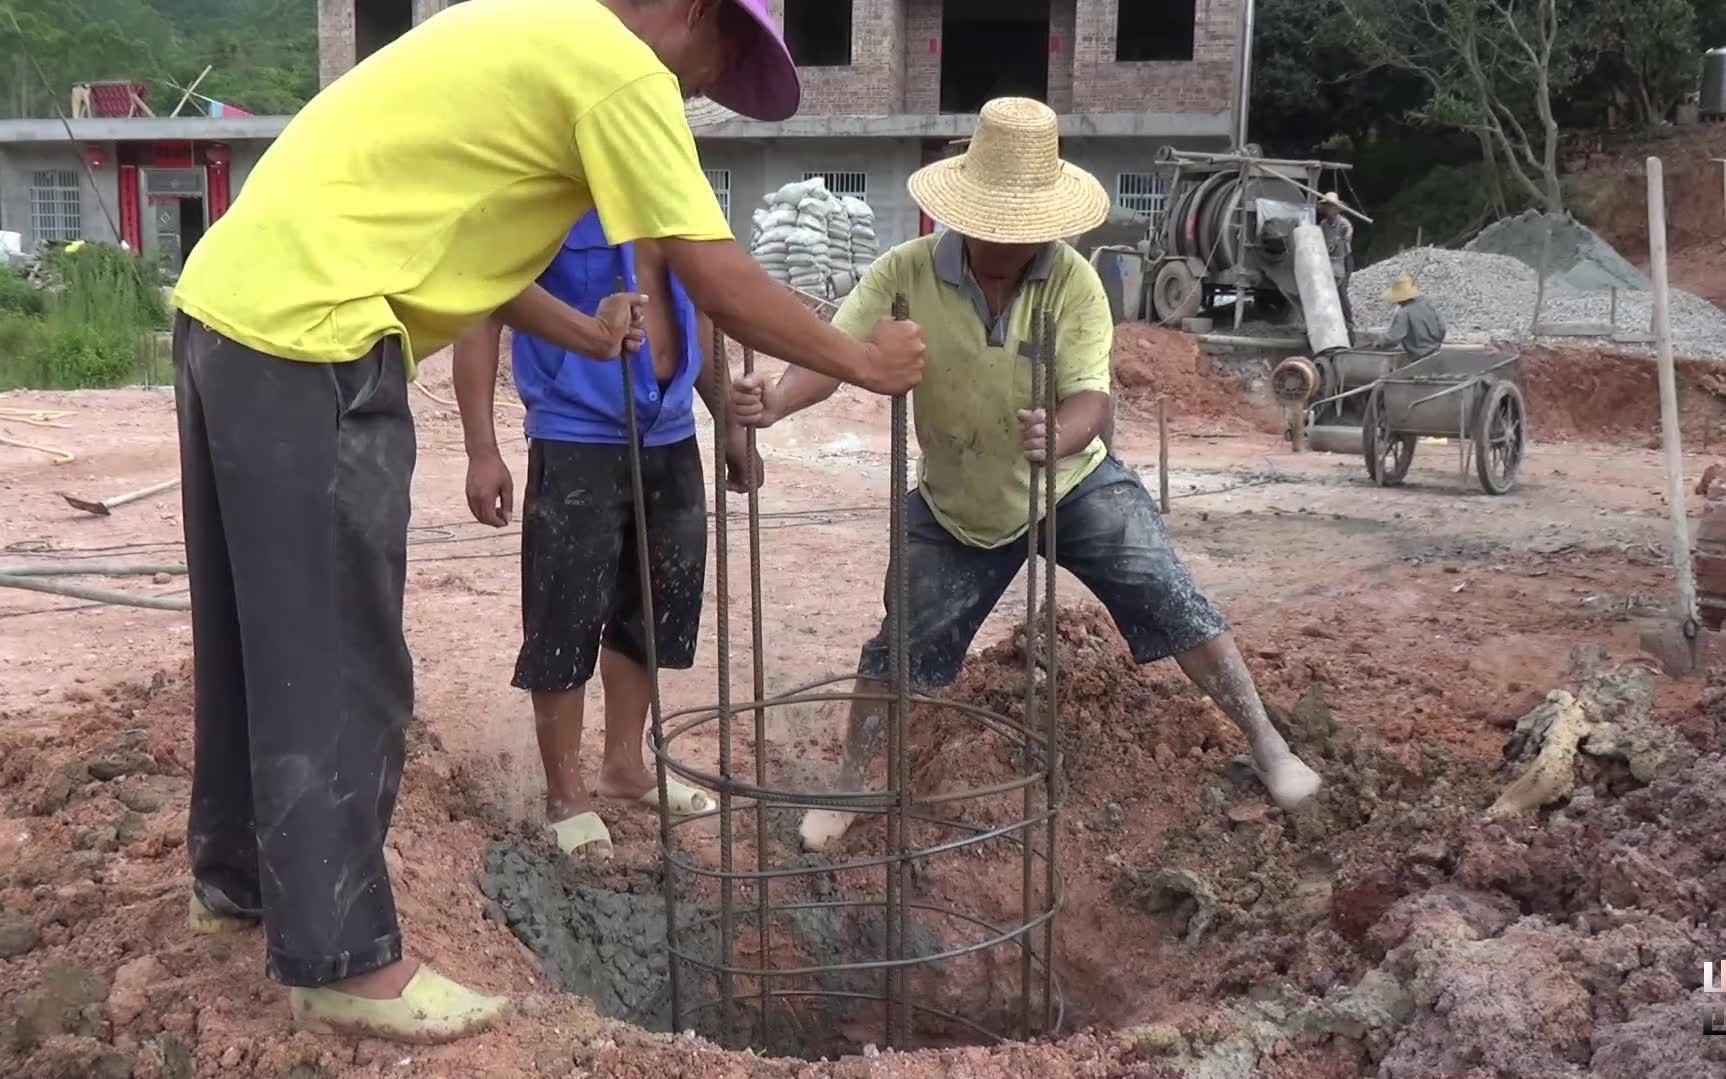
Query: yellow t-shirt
pixel 434 182
pixel 973 471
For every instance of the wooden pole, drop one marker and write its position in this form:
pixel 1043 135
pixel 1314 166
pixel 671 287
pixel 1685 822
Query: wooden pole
pixel 1163 454
pixel 1681 566
pixel 190 90
pixel 1545 266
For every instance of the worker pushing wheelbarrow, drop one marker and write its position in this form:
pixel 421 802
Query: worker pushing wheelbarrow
pixel 1384 401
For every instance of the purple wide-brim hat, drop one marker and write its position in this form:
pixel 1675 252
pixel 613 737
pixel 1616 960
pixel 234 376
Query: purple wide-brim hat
pixel 763 84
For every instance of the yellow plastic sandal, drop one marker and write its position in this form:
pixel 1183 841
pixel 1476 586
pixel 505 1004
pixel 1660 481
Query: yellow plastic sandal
pixel 575 835
pixel 202 919
pixel 431 1009
pixel 682 799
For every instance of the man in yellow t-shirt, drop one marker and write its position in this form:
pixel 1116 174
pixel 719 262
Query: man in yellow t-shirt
pixel 422 192
pixel 1009 201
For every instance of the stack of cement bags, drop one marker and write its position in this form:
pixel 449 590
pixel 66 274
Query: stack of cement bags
pixel 864 246
pixel 811 255
pixel 807 238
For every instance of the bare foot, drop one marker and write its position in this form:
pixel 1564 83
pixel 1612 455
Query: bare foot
pixel 823 828
pixel 626 783
pixel 385 983
pixel 1289 781
pixel 566 805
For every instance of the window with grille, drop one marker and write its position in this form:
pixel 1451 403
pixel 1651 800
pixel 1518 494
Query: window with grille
pixel 721 181
pixel 1141 193
pixel 56 209
pixel 855 184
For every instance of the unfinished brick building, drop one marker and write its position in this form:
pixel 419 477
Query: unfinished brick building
pixel 888 84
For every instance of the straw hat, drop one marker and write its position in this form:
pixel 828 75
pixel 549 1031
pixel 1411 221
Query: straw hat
pixel 1010 186
pixel 1330 199
pixel 1402 289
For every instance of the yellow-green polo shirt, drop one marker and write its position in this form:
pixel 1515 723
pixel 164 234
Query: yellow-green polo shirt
pixel 434 182
pixel 973 471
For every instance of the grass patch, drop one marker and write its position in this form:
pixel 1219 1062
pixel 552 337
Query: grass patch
pixel 96 326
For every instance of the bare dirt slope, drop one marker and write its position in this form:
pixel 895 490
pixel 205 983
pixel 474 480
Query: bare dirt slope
pixel 1390 930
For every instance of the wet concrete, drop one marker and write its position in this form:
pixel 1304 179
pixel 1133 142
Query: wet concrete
pixel 600 933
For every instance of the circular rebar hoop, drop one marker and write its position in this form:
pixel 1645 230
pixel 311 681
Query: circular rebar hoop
pixel 786 896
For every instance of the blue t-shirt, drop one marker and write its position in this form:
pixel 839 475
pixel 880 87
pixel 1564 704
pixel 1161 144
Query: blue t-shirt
pixel 571 397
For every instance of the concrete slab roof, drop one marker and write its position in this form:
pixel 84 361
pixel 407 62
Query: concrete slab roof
pixel 146 128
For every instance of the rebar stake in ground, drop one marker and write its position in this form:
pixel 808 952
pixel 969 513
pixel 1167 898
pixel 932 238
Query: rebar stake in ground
pixel 896 936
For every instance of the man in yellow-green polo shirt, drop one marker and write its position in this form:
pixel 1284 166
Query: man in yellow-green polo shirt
pixel 420 193
pixel 1008 201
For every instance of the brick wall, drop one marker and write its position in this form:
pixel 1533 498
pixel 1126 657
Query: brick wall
pixel 1063 27
pixel 1206 84
pixel 874 83
pixel 923 62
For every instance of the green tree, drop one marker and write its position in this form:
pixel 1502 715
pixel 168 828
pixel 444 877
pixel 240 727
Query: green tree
pixel 262 53
pixel 1648 54
pixel 1494 69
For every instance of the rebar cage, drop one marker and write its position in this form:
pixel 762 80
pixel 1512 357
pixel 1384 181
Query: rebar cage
pixel 760 978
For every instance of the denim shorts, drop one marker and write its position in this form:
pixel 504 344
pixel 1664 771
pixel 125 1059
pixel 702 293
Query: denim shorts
pixel 1108 534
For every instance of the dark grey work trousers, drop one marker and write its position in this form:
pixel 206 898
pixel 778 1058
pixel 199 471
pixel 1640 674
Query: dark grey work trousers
pixel 295 482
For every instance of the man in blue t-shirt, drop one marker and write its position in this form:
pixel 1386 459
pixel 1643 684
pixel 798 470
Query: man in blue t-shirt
pixel 580 583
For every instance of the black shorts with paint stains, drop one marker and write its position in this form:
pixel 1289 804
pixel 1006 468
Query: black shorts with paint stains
pixel 580 582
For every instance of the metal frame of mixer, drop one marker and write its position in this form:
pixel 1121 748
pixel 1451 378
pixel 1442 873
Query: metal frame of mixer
pixel 1246 271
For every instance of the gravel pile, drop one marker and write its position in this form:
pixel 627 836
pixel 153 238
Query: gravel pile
pixel 1493 295
pixel 1578 257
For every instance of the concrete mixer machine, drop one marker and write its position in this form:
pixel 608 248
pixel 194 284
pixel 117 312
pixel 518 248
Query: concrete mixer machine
pixel 1225 230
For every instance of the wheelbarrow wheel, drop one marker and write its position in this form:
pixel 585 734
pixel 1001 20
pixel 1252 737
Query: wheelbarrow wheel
pixel 1500 431
pixel 1388 456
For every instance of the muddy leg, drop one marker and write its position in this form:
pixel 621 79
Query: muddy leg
pixel 624 772
pixel 865 731
pixel 1217 668
pixel 557 723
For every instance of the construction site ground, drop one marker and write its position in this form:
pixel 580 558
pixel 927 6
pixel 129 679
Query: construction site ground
pixel 1400 633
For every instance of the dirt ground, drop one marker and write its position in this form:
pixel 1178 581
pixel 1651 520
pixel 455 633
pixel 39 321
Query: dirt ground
pixel 1390 929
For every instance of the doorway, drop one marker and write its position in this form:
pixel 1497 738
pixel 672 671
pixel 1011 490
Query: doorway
pixel 993 48
pixel 179 214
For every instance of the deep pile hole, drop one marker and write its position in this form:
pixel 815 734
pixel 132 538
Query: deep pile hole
pixel 1189 896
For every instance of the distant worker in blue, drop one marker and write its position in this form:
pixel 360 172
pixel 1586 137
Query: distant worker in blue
pixel 580 583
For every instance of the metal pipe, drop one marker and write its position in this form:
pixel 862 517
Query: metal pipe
pixel 1243 104
pixel 1051 692
pixel 897 772
pixel 95 595
pixel 92 569
pixel 1669 418
pixel 1039 375
pixel 650 652
pixel 1199 157
pixel 758 654
pixel 1163 454
pixel 717 371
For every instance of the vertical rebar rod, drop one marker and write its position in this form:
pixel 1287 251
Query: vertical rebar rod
pixel 900 707
pixel 1051 755
pixel 1034 517
pixel 650 650
pixel 758 652
pixel 719 370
